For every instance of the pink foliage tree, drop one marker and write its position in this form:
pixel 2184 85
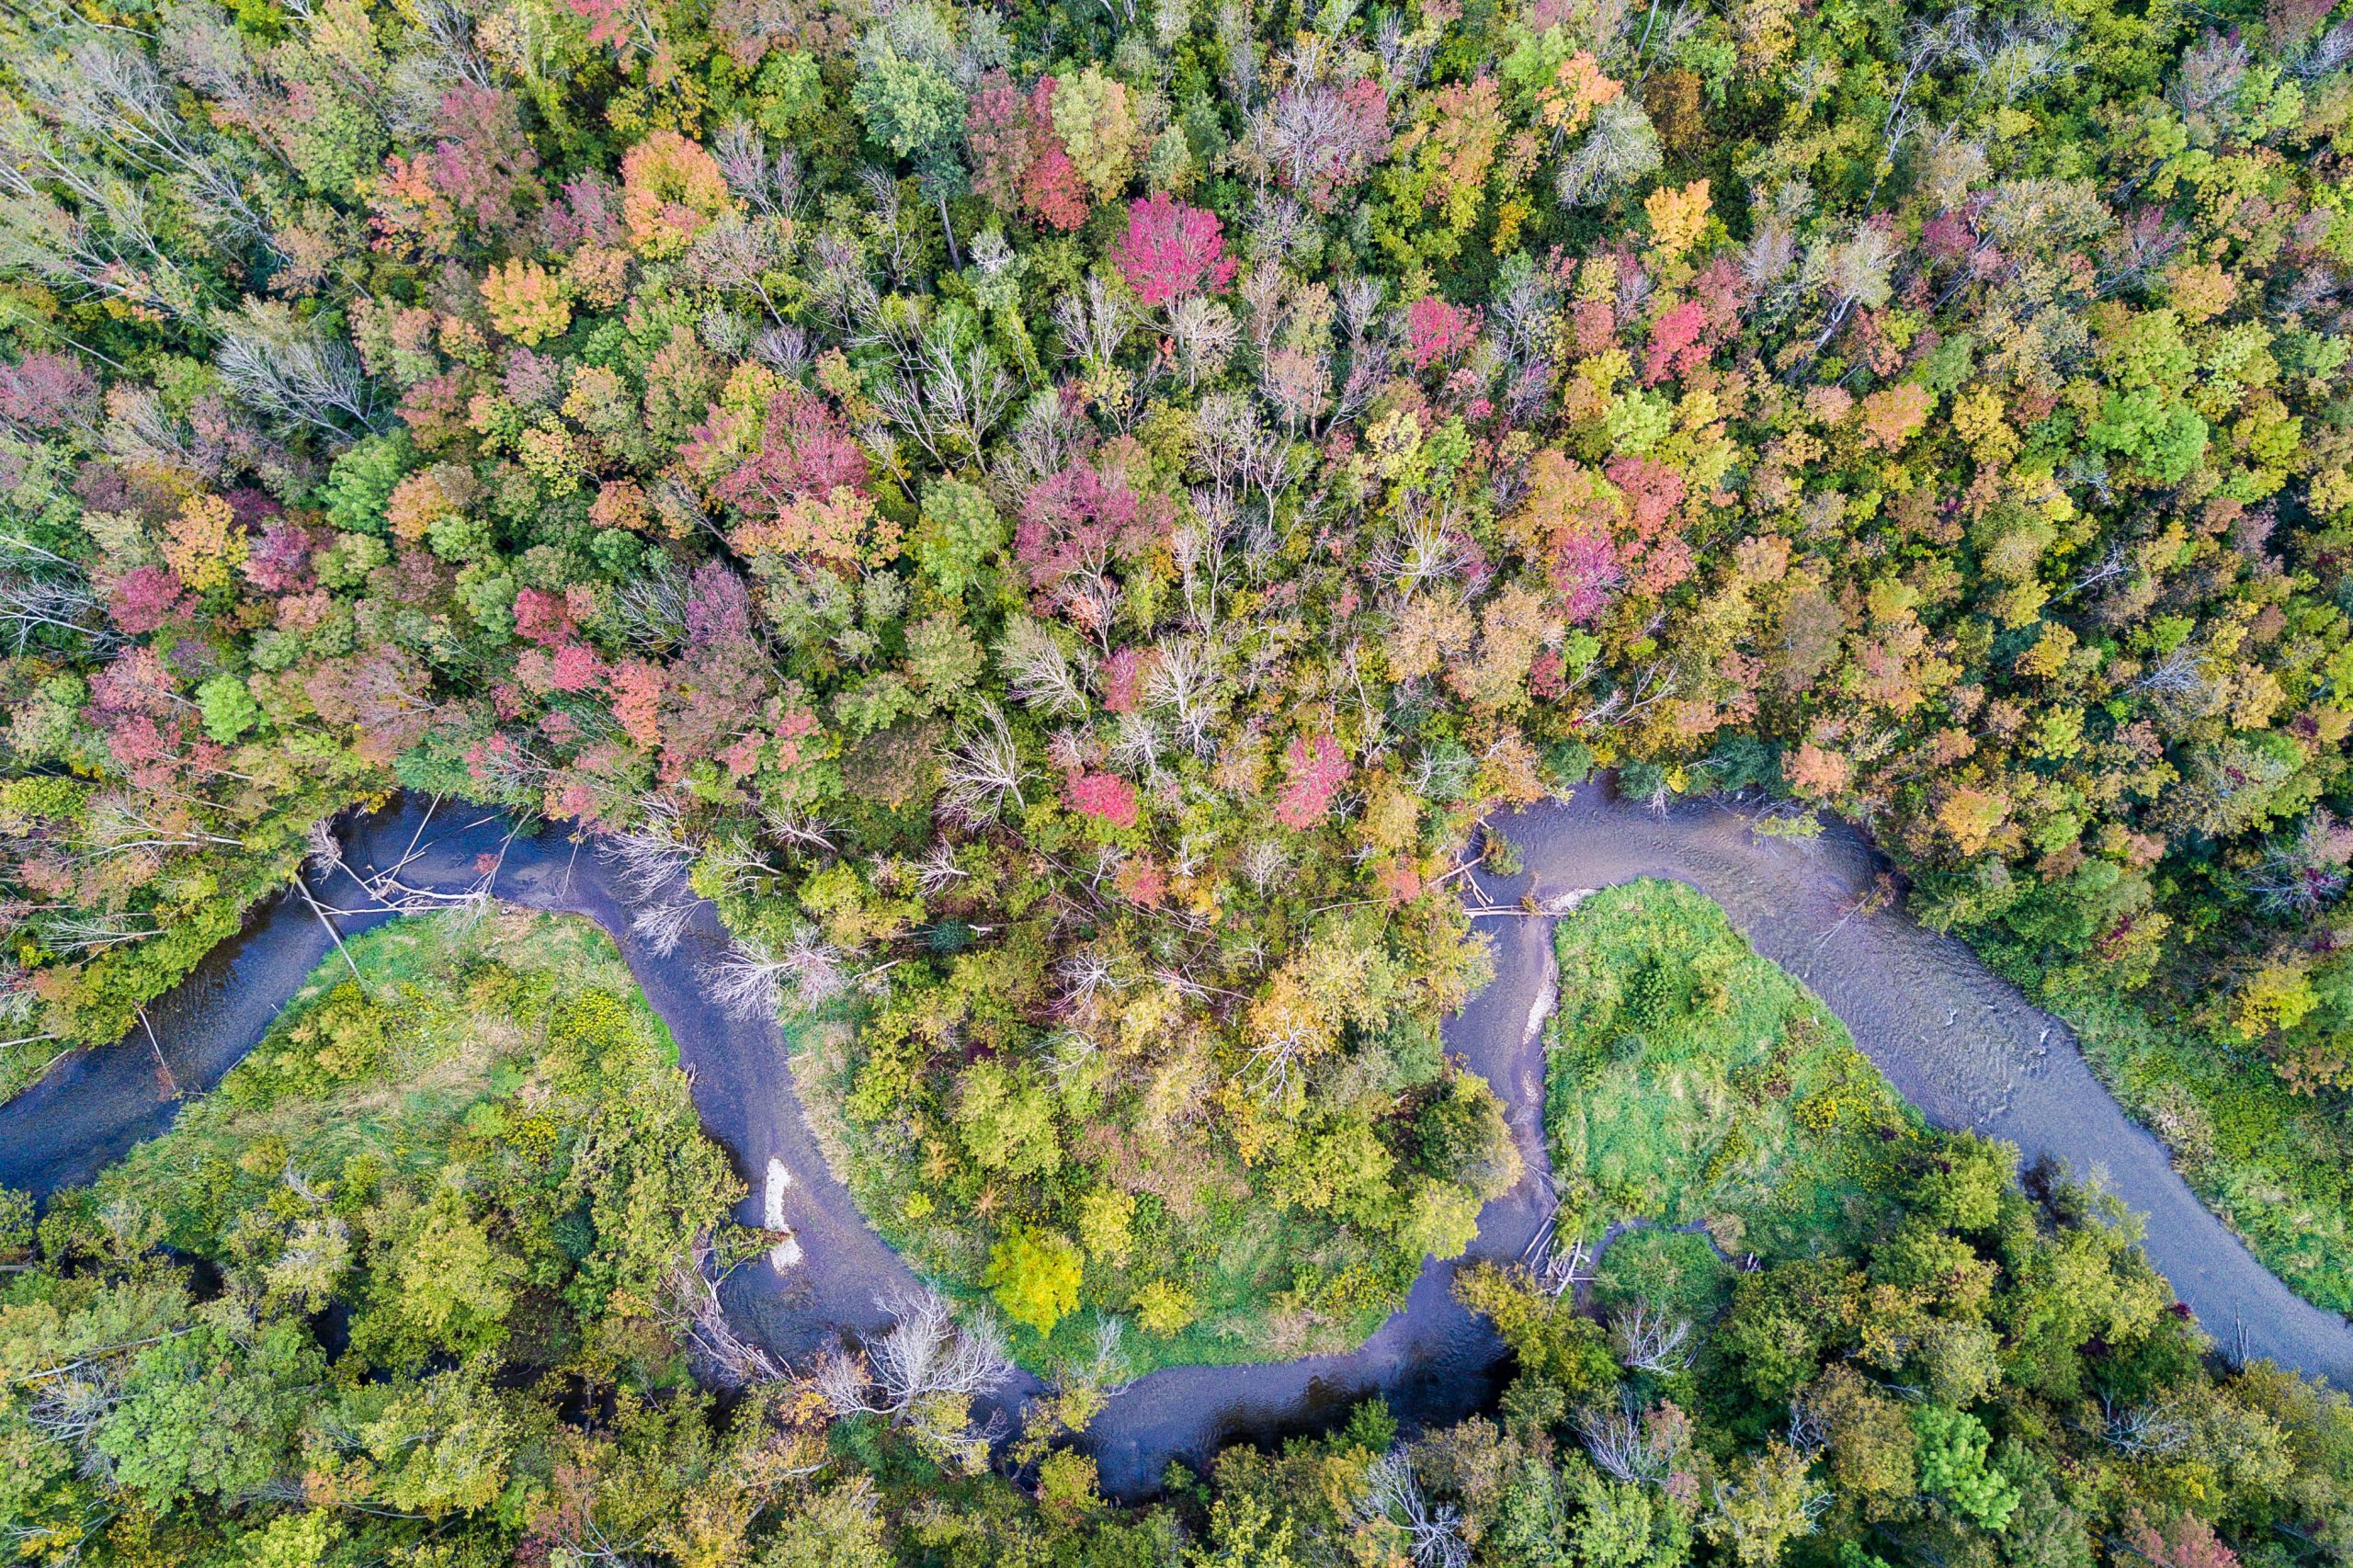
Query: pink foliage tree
pixel 1019 162
pixel 542 617
pixel 1123 679
pixel 1320 139
pixel 589 214
pixel 719 610
pixel 804 450
pixel 1318 768
pixel 1171 250
pixel 997 125
pixel 1674 343
pixel 636 688
pixel 145 598
pixel 1077 524
pixel 133 705
pixel 1106 797
pixel 2184 1541
pixel 484 163
pixel 46 392
pixel 575 668
pixel 1653 551
pixel 1584 569
pixel 1051 186
pixel 1436 331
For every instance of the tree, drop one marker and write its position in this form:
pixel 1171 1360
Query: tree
pixel 1009 1122
pixel 202 1414
pixel 923 1372
pixel 1952 1466
pixel 672 190
pixel 1035 1275
pixel 454 1283
pixel 1761 1503
pixel 909 105
pixel 1095 121
pixel 1171 250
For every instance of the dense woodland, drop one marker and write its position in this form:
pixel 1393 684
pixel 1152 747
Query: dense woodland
pixel 1059 518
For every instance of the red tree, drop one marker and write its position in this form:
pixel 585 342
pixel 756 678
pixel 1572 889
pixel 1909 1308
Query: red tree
pixel 1436 331
pixel 1171 250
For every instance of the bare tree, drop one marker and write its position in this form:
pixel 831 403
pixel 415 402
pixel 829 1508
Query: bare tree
pixel 948 403
pixel 790 830
pixel 1262 862
pixel 104 244
pixel 772 186
pixel 651 853
pixel 938 872
pixel 2306 873
pixel 967 396
pixel 753 978
pixel 735 257
pixel 651 856
pixel 1183 683
pixel 923 1373
pixel 2143 1431
pixel 1202 332
pixel 291 373
pixel 1094 323
pixel 1277 1063
pixel 43 594
pixel 1136 745
pixel 1038 672
pixel 1648 1340
pixel 1621 147
pixel 107 95
pixel 1619 1442
pixel 1045 440
pixel 1422 551
pixel 1392 1492
pixel 1083 971
pixel 690 1309
pixel 1560 1270
pixel 984 771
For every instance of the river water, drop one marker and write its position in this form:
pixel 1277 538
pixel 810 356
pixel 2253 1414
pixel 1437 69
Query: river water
pixel 1958 1041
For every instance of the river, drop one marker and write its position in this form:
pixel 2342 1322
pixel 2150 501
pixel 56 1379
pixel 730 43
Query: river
pixel 1957 1041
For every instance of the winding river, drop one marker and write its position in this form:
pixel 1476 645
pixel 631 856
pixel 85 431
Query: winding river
pixel 1958 1041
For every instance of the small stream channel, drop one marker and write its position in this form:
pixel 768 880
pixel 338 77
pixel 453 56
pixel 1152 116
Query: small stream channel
pixel 1957 1041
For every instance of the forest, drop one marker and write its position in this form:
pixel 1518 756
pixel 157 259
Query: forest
pixel 1059 520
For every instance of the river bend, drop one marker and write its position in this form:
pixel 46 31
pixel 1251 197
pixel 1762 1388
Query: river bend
pixel 1958 1041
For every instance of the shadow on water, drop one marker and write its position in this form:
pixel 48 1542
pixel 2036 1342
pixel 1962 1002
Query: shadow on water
pixel 1958 1041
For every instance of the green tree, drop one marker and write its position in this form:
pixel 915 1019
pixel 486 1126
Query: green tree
pixel 453 1284
pixel 1009 1122
pixel 1761 1503
pixel 211 1411
pixel 1953 1445
pixel 960 534
pixel 1035 1275
pixel 228 707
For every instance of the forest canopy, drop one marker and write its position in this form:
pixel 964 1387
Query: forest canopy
pixel 1059 519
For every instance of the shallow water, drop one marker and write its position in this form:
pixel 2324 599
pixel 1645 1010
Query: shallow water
pixel 1959 1042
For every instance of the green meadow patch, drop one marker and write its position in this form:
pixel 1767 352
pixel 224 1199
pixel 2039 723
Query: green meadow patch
pixel 1690 1083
